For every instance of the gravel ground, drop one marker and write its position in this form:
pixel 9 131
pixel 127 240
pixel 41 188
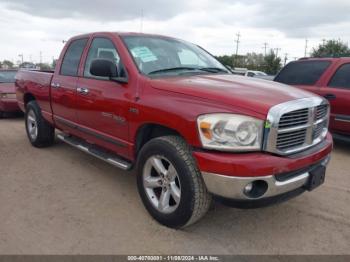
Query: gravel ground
pixel 61 201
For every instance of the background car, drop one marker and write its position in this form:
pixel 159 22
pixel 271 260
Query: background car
pixel 8 102
pixel 327 77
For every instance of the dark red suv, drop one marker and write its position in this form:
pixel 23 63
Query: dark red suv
pixel 327 77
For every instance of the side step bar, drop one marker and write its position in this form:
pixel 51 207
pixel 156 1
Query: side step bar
pixel 95 151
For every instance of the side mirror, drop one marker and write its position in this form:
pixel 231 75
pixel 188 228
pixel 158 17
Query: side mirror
pixel 103 68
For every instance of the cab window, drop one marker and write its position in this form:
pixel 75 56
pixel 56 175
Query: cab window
pixel 341 78
pixel 103 48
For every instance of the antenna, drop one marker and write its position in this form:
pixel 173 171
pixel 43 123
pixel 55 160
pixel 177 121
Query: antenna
pixel 141 21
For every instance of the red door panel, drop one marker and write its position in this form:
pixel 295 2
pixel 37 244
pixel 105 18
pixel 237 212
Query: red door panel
pixel 64 98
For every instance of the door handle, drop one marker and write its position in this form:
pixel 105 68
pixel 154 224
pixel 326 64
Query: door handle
pixel 330 96
pixel 83 90
pixel 55 85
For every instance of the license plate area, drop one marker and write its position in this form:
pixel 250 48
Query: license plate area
pixel 317 177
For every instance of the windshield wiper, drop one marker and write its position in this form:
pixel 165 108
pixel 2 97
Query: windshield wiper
pixel 164 70
pixel 213 69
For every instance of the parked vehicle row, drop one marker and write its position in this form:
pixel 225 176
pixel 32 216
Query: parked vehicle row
pixel 8 101
pixel 191 128
pixel 329 78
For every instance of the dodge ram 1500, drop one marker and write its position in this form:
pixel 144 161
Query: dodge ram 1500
pixel 190 128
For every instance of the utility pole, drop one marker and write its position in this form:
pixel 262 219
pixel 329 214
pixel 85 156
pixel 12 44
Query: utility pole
pixel 41 57
pixel 265 48
pixel 237 41
pixel 306 42
pixel 285 58
pixel 21 56
pixel 276 50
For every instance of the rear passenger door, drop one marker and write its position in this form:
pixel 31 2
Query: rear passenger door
pixel 338 94
pixel 64 84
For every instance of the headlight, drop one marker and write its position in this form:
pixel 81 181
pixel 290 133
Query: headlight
pixel 8 95
pixel 230 132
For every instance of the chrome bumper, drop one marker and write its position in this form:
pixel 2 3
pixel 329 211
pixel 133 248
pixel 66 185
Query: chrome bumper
pixel 232 187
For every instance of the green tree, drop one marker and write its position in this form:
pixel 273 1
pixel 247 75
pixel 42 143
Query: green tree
pixel 272 63
pixel 7 64
pixel 53 64
pixel 254 61
pixel 43 66
pixel 0 64
pixel 331 48
pixel 225 60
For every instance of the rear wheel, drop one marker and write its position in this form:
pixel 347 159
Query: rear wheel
pixel 170 184
pixel 39 131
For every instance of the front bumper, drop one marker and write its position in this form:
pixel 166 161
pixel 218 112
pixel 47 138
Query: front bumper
pixel 9 105
pixel 227 175
pixel 232 187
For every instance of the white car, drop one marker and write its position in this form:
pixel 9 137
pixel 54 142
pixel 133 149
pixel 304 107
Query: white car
pixel 252 73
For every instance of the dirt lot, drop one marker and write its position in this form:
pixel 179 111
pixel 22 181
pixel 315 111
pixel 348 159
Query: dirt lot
pixel 62 201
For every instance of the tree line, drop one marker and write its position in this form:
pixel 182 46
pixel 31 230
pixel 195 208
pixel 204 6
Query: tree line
pixel 7 64
pixel 271 63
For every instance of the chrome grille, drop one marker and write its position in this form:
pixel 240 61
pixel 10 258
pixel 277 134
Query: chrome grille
pixel 321 111
pixel 298 117
pixel 296 125
pixel 291 139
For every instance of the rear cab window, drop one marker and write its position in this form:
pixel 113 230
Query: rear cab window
pixel 71 60
pixel 302 72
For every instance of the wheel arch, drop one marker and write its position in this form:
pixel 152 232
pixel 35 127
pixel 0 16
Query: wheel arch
pixel 148 131
pixel 27 98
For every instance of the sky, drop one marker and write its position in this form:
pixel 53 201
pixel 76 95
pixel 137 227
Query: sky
pixel 38 28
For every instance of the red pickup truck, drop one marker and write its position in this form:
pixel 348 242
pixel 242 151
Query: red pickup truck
pixel 8 101
pixel 191 128
pixel 327 77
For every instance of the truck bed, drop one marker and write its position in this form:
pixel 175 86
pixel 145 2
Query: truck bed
pixel 37 83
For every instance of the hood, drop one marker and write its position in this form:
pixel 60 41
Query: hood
pixel 237 91
pixel 7 88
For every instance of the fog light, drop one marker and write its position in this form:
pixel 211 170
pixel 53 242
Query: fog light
pixel 248 188
pixel 255 189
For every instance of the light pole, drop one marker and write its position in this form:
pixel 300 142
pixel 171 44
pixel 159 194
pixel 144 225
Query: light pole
pixel 21 56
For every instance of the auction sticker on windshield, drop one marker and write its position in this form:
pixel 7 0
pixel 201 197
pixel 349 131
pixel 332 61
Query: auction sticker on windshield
pixel 144 54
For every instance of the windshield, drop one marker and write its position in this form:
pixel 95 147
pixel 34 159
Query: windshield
pixel 155 55
pixel 7 76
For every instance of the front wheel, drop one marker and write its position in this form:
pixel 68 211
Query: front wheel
pixel 170 184
pixel 39 131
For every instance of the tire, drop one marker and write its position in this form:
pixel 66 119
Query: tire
pixel 40 133
pixel 173 155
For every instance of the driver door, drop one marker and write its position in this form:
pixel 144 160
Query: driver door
pixel 102 104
